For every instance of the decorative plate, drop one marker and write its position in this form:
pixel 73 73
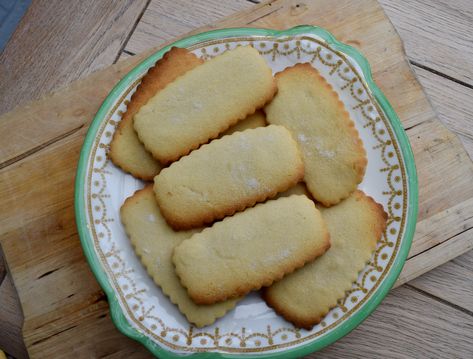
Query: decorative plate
pixel 138 307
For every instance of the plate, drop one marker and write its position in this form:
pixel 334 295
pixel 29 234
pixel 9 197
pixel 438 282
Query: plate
pixel 138 307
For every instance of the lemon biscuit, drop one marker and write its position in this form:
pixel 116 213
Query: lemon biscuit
pixel 204 102
pixel 305 296
pixel 154 242
pixel 251 249
pixel 126 150
pixel 333 153
pixel 228 175
pixel 254 120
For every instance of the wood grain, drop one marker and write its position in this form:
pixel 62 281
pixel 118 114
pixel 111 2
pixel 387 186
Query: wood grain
pixel 3 268
pixel 11 316
pixel 404 327
pixel 81 37
pixel 38 124
pixel 165 20
pixel 452 102
pixel 436 256
pixel 47 252
pixel 50 255
pixel 452 282
pixel 442 226
pixel 436 34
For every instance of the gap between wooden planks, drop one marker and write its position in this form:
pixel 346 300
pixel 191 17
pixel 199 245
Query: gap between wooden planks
pixel 438 134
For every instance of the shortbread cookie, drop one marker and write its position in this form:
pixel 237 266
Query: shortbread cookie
pixel 126 151
pixel 333 153
pixel 154 242
pixel 299 188
pixel 204 102
pixel 305 296
pixel 228 175
pixel 251 249
pixel 252 121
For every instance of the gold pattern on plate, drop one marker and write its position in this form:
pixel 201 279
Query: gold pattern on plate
pixel 131 296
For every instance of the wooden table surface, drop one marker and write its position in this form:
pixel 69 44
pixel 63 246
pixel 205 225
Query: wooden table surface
pixel 58 42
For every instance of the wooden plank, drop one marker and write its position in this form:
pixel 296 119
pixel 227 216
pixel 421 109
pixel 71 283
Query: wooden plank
pixel 452 102
pixel 49 260
pixel 93 336
pixel 38 124
pixel 3 268
pixel 11 319
pixel 436 256
pixel 407 325
pixel 452 281
pixel 442 227
pixel 439 157
pixel 437 34
pixel 164 20
pixel 81 37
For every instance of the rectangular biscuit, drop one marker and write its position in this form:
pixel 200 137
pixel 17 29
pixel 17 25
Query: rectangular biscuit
pixel 154 242
pixel 251 249
pixel 204 102
pixel 228 175
pixel 306 296
pixel 254 120
pixel 126 150
pixel 333 153
pixel 299 188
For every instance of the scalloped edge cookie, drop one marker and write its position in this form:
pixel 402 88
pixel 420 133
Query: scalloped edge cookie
pixel 126 150
pixel 228 175
pixel 334 156
pixel 204 102
pixel 154 241
pixel 307 295
pixel 251 249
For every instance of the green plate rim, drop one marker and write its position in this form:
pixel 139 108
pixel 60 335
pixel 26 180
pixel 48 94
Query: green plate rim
pixel 79 201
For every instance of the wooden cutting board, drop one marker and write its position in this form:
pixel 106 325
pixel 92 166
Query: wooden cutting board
pixel 65 310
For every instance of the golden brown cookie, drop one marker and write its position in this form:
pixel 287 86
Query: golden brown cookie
pixel 228 175
pixel 252 121
pixel 154 242
pixel 251 249
pixel 204 102
pixel 299 188
pixel 126 150
pixel 333 153
pixel 306 296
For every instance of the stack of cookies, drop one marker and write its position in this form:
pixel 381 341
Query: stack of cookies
pixel 254 188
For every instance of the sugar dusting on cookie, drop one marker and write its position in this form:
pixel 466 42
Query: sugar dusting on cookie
pixel 244 143
pixel 278 257
pixel 196 105
pixel 302 138
pixel 323 152
pixel 309 142
pixel 253 183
